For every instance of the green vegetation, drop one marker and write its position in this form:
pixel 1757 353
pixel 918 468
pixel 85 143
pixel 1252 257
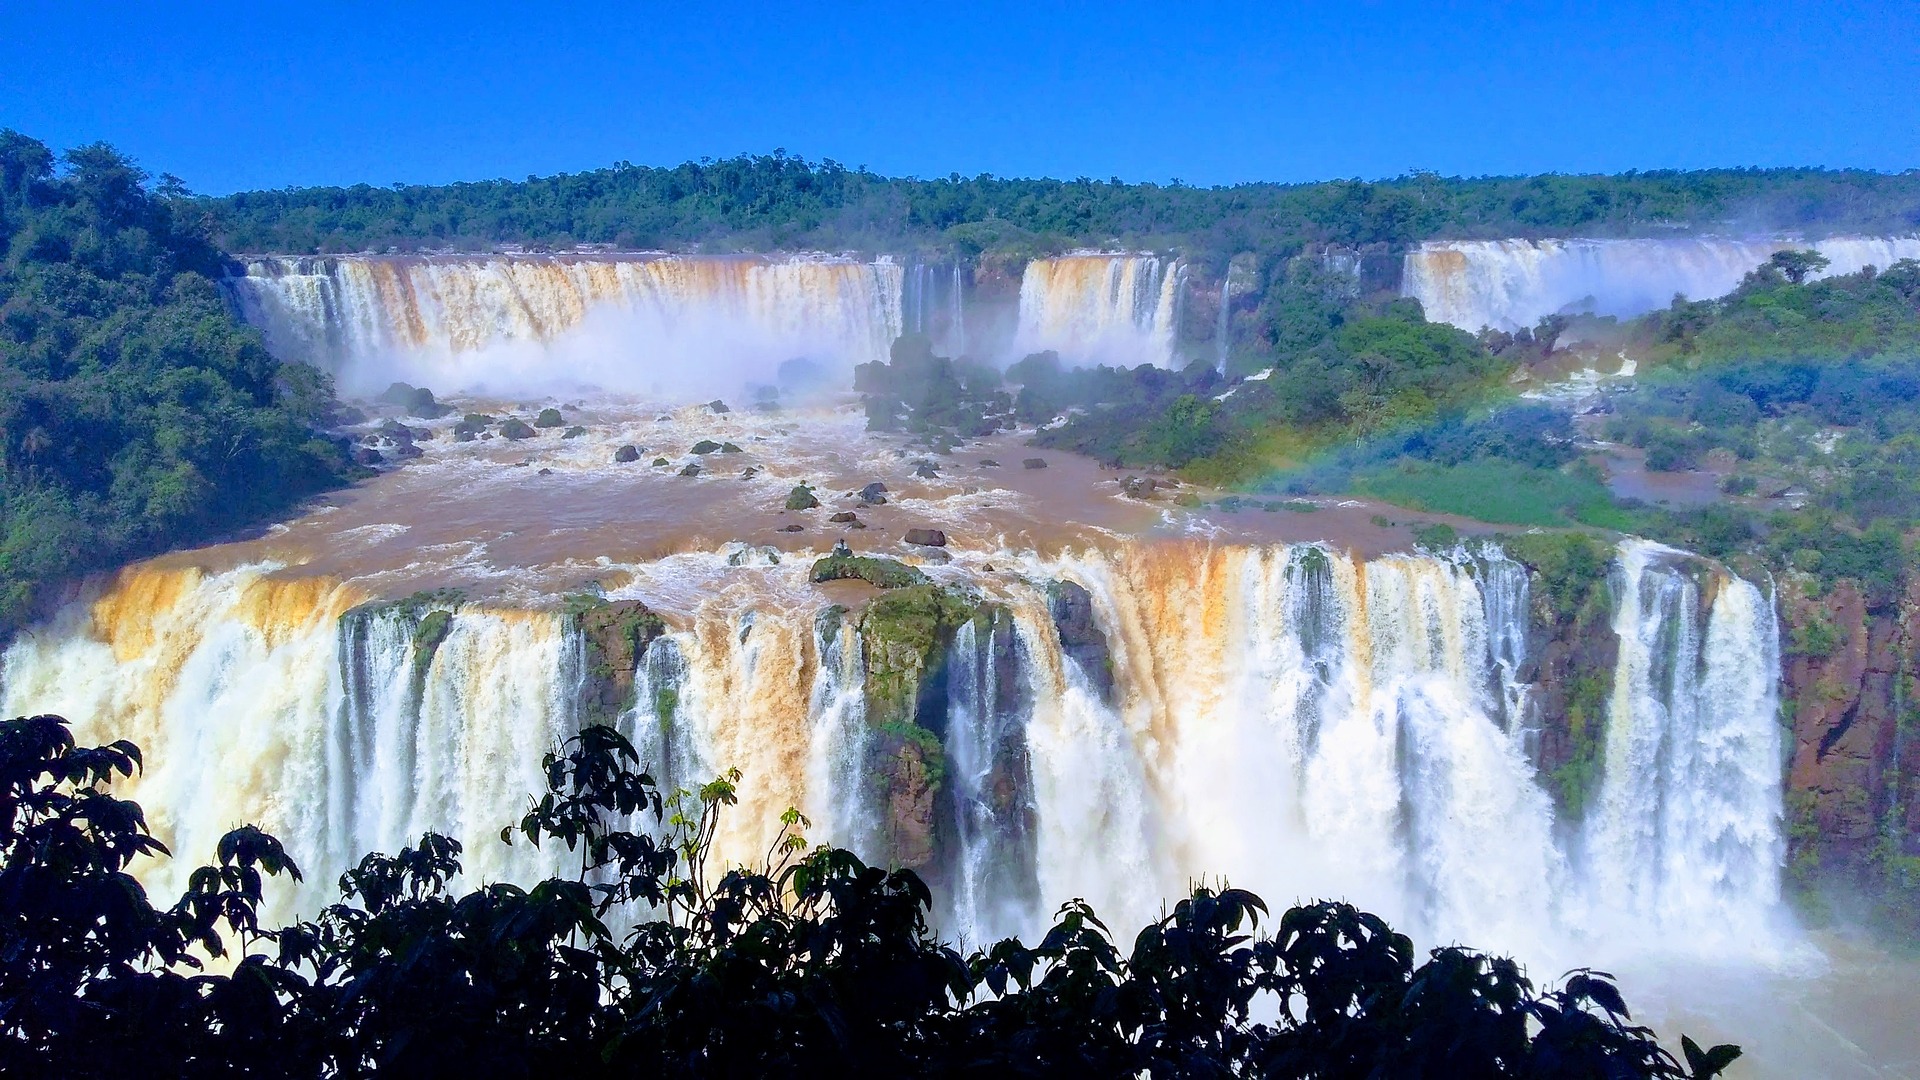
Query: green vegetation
pixel 135 412
pixel 879 572
pixel 905 633
pixel 758 203
pixel 809 963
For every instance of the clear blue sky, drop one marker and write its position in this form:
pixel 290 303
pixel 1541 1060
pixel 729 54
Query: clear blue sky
pixel 235 96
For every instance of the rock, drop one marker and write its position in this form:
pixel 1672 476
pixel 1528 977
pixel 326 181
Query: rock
pixel 874 494
pixel 1034 463
pixel 926 537
pixel 347 416
pixel 718 406
pixel 801 498
pixel 406 450
pixel 881 573
pixel 989 463
pixel 843 517
pixel 729 448
pixel 1139 487
pixel 793 528
pixel 368 456
pixel 626 454
pixel 614 636
pixel 546 472
pixel 574 432
pixel 548 418
pixel 1071 607
pixel 705 446
pixel 692 469
pixel 515 428
pixel 396 394
pixel 749 472
pixel 926 471
pixel 463 436
pixel 659 461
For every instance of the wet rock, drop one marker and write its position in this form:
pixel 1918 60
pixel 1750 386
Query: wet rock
pixel 926 537
pixel 614 635
pixel 1034 463
pixel 843 517
pixel 749 472
pixel 793 528
pixel 989 463
pixel 367 456
pixel 729 448
pixel 1081 639
pixel 705 446
pixel 626 454
pixel 844 565
pixel 406 450
pixel 659 461
pixel 926 471
pixel 515 428
pixel 548 418
pixel 574 432
pixel 874 494
pixel 546 472
pixel 718 406
pixel 801 498
pixel 692 469
pixel 1139 487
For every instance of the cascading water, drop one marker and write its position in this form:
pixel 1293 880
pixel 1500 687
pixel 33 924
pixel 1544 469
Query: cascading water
pixel 515 322
pixel 1687 830
pixel 1293 719
pixel 994 892
pixel 1509 284
pixel 1115 309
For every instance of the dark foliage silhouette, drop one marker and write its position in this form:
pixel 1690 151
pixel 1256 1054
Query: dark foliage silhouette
pixel 809 964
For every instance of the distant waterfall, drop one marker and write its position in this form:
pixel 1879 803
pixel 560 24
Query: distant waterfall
pixel 1509 284
pixel 1291 719
pixel 1113 309
pixel 525 321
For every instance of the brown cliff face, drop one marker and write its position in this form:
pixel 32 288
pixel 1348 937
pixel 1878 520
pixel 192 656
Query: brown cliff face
pixel 1848 668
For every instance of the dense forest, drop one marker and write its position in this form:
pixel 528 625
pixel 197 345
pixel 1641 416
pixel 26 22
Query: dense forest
pixel 810 964
pixel 135 411
pixel 768 202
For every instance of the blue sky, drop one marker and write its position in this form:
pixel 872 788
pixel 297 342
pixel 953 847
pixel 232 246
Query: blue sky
pixel 238 96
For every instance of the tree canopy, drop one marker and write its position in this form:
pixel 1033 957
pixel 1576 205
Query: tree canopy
pixel 136 411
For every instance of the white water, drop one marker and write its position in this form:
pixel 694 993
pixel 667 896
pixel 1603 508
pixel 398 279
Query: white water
pixel 1509 284
pixel 504 323
pixel 1094 308
pixel 1293 720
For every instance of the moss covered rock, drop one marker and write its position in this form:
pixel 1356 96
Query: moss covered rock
pixel 878 572
pixel 613 635
pixel 801 498
pixel 548 418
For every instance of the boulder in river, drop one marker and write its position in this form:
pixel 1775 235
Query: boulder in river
pixel 705 446
pixel 843 517
pixel 515 428
pixel 1034 463
pixel 718 406
pixel 574 432
pixel 801 498
pixel 925 471
pixel 926 537
pixel 626 454
pixel 692 469
pixel 874 494
pixel 548 418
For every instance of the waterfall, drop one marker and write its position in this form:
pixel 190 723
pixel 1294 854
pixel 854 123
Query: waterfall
pixel 1222 330
pixel 1114 309
pixel 1290 719
pixel 1509 284
pixel 1687 833
pixel 843 806
pixel 518 322
pixel 994 892
pixel 957 332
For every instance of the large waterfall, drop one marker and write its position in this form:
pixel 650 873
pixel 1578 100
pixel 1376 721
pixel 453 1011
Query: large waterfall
pixel 1290 719
pixel 1092 308
pixel 517 322
pixel 1508 284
